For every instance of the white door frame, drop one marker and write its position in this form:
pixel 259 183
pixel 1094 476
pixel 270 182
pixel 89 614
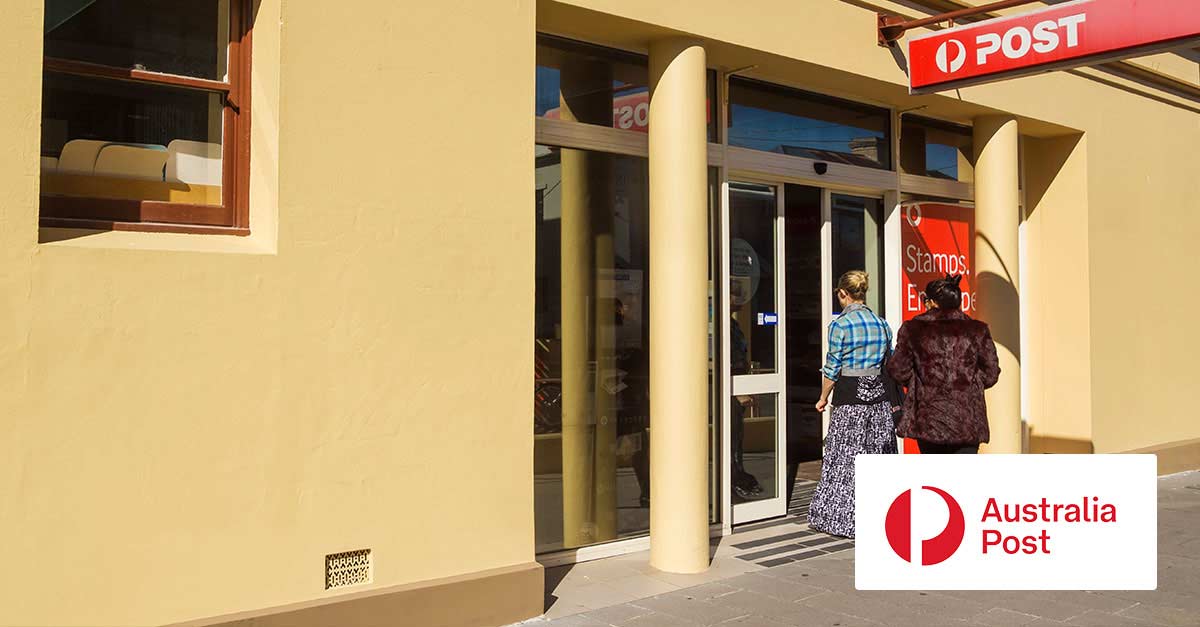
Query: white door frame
pixel 771 383
pixel 776 383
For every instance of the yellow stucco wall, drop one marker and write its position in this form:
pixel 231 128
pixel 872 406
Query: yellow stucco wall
pixel 190 423
pixel 1055 356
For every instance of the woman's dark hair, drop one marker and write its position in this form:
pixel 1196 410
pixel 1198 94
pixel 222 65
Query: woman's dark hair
pixel 945 292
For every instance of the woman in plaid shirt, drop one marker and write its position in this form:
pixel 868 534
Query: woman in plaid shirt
pixel 859 345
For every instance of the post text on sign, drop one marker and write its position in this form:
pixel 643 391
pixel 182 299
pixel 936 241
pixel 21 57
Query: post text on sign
pixel 1087 511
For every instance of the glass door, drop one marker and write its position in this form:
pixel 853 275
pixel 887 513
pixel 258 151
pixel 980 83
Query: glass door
pixel 852 239
pixel 805 330
pixel 858 243
pixel 755 412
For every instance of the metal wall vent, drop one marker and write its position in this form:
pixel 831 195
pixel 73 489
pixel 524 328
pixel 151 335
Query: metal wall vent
pixel 347 569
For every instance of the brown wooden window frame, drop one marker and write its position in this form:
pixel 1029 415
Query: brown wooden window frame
pixel 232 216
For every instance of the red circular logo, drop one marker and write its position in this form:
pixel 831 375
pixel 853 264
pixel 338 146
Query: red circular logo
pixel 935 550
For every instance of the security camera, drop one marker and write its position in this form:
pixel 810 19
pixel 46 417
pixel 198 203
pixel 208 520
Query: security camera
pixel 820 167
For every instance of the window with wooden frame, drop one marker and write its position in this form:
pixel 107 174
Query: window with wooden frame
pixel 146 115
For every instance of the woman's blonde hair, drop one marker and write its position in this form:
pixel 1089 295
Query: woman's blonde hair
pixel 854 283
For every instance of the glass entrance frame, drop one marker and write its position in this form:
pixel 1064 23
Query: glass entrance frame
pixel 880 218
pixel 740 164
pixel 763 385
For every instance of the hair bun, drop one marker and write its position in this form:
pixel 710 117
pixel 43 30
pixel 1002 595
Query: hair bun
pixel 956 279
pixel 854 283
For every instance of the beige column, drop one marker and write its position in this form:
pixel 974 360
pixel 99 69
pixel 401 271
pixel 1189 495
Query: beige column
pixel 588 423
pixel 678 308
pixel 997 228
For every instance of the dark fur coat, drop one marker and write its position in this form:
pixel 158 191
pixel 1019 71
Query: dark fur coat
pixel 946 360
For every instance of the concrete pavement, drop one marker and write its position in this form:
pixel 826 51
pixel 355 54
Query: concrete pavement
pixel 818 588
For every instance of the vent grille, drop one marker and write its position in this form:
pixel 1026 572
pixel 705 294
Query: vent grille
pixel 347 569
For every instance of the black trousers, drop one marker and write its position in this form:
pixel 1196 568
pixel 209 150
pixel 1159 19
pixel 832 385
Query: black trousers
pixel 933 448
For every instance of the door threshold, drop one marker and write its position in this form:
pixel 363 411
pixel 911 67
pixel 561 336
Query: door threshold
pixel 610 549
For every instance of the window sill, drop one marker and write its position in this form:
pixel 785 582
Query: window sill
pixel 60 233
pixel 144 227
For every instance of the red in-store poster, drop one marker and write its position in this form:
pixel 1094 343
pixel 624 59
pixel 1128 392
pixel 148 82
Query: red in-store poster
pixel 936 239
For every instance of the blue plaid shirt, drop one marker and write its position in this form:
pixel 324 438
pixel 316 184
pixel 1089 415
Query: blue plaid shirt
pixel 858 339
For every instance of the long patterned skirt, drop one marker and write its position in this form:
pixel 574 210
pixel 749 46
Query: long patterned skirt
pixel 853 429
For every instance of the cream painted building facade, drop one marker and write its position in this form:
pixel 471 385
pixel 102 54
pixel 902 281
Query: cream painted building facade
pixel 339 346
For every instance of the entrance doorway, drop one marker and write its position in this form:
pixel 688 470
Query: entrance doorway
pixel 786 245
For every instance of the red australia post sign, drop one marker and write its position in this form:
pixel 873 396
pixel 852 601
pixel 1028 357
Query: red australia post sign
pixel 1005 522
pixel 1065 35
pixel 936 239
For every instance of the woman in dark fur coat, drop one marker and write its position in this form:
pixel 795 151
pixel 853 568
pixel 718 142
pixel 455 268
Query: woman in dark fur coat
pixel 947 360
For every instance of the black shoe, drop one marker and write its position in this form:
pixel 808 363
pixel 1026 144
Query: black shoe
pixel 743 493
pixel 749 483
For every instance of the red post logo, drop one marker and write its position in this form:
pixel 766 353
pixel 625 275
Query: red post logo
pixel 935 550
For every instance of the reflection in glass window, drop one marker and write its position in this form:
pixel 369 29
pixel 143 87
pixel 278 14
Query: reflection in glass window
pixel 592 349
pixel 753 446
pixel 139 110
pixel 591 417
pixel 778 119
pixel 594 85
pixel 134 141
pixel 858 244
pixel 753 214
pixel 805 328
pixel 937 149
pixel 184 37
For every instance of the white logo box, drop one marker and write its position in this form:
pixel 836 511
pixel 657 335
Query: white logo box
pixel 1096 555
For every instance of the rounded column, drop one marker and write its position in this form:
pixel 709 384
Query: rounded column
pixel 678 307
pixel 997 254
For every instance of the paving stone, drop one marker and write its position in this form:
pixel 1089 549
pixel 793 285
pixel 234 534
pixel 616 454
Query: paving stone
pixel 752 621
pixel 827 581
pixel 788 548
pixel 785 589
pixel 1000 617
pixel 594 596
pixel 616 614
pixel 1091 600
pixel 710 591
pixel 578 620
pixel 655 619
pixel 820 591
pixel 860 607
pixel 1097 618
pixel 816 617
pixel 1043 604
pixel 762 605
pixel 842 564
pixel 929 603
pixel 640 586
pixel 560 609
pixel 1162 598
pixel 1160 615
pixel 793 557
pixel 703 613
pixel 709 576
